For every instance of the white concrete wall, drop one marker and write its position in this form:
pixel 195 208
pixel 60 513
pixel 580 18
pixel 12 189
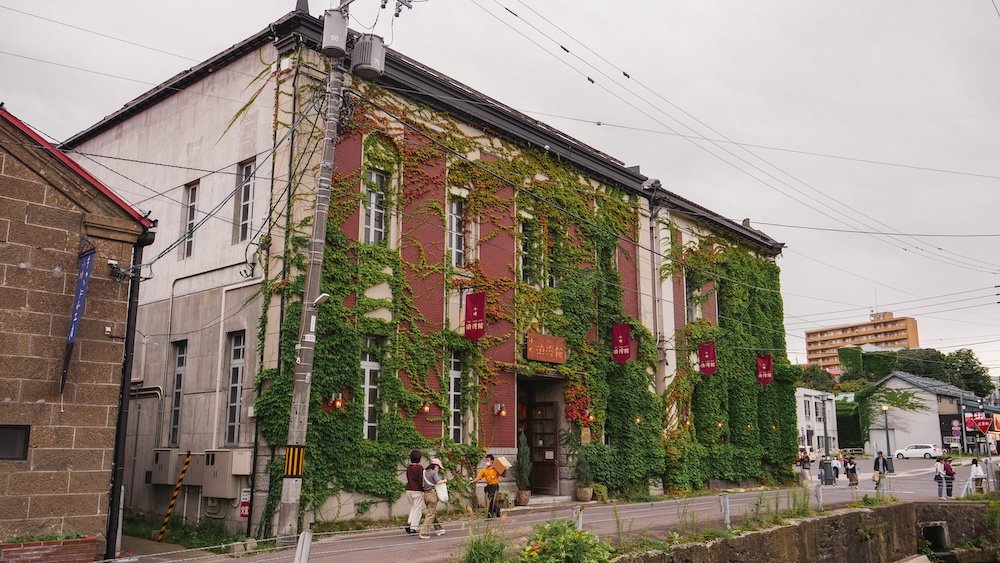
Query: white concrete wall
pixel 812 422
pixel 907 427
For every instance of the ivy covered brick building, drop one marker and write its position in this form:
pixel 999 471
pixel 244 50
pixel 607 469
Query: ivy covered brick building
pixel 438 192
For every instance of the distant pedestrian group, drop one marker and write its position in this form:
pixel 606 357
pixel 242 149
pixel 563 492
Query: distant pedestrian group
pixel 944 474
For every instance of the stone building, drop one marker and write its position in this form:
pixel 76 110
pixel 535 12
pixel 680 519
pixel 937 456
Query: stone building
pixel 56 447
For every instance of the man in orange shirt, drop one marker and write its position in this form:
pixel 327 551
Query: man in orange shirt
pixel 492 477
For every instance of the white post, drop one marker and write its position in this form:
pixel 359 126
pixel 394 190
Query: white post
pixel 724 505
pixel 303 547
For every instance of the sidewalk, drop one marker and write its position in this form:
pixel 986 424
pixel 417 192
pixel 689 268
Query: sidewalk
pixel 149 550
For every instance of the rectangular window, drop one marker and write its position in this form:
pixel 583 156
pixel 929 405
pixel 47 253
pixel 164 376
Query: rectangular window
pixel 375 207
pixel 456 230
pixel 807 404
pixel 553 275
pixel 14 441
pixel 371 370
pixel 819 411
pixel 526 255
pixel 237 362
pixel 690 302
pixel 180 368
pixel 190 211
pixel 244 202
pixel 455 397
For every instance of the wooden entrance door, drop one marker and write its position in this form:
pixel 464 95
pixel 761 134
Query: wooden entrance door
pixel 543 437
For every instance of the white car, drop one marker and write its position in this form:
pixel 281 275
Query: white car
pixel 925 451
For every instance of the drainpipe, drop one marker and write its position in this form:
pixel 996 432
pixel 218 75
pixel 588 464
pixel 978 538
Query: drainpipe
pixel 118 461
pixel 655 258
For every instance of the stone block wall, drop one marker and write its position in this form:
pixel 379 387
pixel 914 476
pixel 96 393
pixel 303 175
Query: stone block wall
pixel 61 488
pixel 56 551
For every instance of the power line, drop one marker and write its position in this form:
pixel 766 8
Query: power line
pixel 974 264
pixel 901 302
pixel 906 309
pixel 852 231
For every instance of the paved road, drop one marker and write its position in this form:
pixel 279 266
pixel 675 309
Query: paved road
pixel 913 481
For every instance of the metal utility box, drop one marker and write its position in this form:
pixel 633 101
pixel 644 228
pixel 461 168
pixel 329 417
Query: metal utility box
pixel 196 471
pixel 222 472
pixel 164 466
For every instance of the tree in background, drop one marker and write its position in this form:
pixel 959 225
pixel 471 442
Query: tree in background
pixel 870 403
pixel 969 373
pixel 815 377
pixel 960 368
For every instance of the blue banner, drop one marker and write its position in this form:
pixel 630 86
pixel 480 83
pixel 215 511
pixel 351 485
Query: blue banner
pixel 85 265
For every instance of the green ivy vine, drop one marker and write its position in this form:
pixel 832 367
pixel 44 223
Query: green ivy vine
pixel 727 425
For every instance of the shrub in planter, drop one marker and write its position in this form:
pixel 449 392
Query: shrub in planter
pixel 584 478
pixel 600 492
pixel 522 471
pixel 559 540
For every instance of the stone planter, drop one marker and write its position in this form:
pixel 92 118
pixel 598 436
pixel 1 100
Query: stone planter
pixel 522 498
pixel 584 494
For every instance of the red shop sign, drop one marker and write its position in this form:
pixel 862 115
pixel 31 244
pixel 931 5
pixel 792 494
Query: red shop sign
pixel 765 373
pixel 621 343
pixel 706 358
pixel 475 315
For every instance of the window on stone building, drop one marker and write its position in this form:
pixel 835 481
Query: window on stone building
pixel 455 426
pixel 180 368
pixel 371 370
pixel 456 230
pixel 190 214
pixel 244 202
pixel 690 299
pixel 551 268
pixel 14 441
pixel 375 227
pixel 807 405
pixel 237 362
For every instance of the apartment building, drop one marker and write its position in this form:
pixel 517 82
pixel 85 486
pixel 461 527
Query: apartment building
pixel 882 330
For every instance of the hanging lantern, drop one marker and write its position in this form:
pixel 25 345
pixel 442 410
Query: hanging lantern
pixel 706 358
pixel 621 342
pixel 475 315
pixel 765 371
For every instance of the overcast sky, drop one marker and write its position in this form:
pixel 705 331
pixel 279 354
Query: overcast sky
pixel 911 84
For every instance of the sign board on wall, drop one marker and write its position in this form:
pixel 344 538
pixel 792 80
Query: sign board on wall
pixel 245 503
pixel 546 348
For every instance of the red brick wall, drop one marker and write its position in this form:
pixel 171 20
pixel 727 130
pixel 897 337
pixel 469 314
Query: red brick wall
pixel 56 551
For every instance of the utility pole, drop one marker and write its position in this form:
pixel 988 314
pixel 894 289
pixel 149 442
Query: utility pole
pixel 826 436
pixel 369 66
pixel 291 485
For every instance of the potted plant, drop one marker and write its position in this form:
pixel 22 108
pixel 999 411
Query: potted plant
pixel 522 471
pixel 584 478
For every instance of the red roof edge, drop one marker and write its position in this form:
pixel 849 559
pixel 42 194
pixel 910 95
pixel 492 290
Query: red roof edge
pixel 72 165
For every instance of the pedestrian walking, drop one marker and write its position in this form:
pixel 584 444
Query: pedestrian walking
pixel 939 476
pixel 851 467
pixel 978 477
pixel 836 464
pixel 803 461
pixel 881 469
pixel 949 476
pixel 414 491
pixel 431 478
pixel 492 477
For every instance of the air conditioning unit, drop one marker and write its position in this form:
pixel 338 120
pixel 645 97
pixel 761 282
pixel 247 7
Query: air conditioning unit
pixel 223 469
pixel 165 467
pixel 196 470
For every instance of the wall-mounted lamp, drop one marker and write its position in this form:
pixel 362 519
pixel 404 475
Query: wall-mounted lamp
pixel 749 426
pixel 334 404
pixel 426 407
pixel 638 420
pixel 718 424
pixel 590 417
pixel 499 409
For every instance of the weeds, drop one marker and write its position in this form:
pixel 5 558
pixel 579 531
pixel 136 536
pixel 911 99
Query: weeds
pixel 205 534
pixel 486 545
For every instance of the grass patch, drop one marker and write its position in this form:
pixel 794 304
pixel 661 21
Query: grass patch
pixel 207 534
pixel 27 539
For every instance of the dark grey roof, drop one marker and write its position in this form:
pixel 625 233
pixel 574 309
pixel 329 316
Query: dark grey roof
pixel 742 231
pixel 433 88
pixel 932 386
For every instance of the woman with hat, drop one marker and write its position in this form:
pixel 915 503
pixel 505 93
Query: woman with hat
pixel 431 478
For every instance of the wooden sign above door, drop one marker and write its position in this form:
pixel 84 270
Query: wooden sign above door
pixel 546 348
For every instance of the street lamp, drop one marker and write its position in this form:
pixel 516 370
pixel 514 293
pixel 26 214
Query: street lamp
pixel 888 450
pixel 826 436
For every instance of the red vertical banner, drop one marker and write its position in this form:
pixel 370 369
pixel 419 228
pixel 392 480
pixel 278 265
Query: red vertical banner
pixel 765 371
pixel 706 358
pixel 621 343
pixel 475 315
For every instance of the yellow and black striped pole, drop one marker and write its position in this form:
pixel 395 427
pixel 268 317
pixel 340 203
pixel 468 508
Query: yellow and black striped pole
pixel 173 498
pixel 295 457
